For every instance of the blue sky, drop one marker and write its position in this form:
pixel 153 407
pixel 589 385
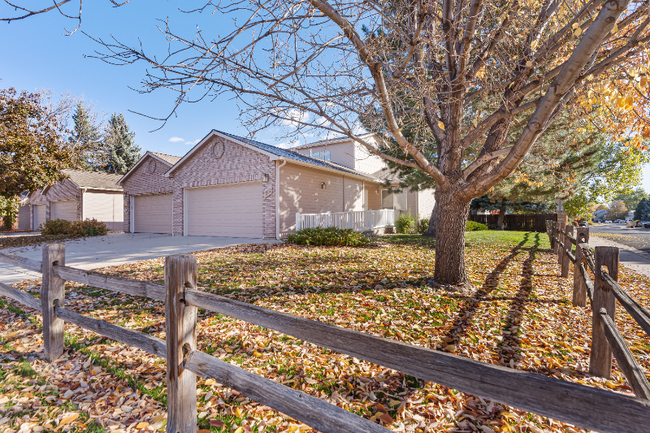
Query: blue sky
pixel 35 54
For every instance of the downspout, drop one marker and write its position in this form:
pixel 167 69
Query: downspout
pixel 83 202
pixel 277 198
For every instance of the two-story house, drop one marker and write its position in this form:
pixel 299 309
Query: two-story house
pixel 233 186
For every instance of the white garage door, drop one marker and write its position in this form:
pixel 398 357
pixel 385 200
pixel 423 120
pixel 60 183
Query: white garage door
pixel 39 215
pixel 233 211
pixel 65 210
pixel 153 214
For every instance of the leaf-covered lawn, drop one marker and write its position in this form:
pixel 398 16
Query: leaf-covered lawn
pixel 520 316
pixel 12 241
pixel 639 240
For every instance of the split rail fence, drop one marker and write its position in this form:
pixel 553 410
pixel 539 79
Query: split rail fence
pixel 603 293
pixel 591 408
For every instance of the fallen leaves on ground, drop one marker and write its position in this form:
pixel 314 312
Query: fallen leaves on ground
pixel 519 317
pixel 15 241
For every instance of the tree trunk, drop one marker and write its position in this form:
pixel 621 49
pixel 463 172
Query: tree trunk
pixel 502 213
pixel 451 221
pixel 431 230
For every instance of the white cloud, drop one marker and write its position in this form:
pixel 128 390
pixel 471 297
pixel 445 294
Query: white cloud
pixel 188 143
pixel 288 144
pixel 294 117
pixel 176 140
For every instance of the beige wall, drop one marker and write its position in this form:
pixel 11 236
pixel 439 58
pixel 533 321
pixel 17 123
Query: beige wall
pixel 60 191
pixel 366 161
pixel 341 153
pixel 374 199
pixel 426 201
pixel 301 191
pixel 352 194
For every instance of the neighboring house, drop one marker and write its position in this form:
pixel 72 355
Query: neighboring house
pixel 601 214
pixel 83 195
pixel 233 186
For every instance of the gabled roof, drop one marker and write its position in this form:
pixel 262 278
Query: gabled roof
pixel 271 151
pixel 171 159
pixel 168 160
pixel 93 180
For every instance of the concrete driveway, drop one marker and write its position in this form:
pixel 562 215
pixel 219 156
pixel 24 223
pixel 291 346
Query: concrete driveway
pixel 116 249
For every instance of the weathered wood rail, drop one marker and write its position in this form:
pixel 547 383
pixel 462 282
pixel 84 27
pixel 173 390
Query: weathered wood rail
pixel 603 292
pixel 591 408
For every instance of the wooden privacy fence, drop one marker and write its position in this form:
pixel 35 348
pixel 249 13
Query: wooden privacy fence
pixel 531 223
pixel 591 408
pixel 603 293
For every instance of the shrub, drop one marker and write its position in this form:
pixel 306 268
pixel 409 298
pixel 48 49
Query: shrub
pixel 423 226
pixel 56 227
pixel 405 223
pixel 89 227
pixel 330 236
pixel 474 226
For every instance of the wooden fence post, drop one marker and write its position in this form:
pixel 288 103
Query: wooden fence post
pixel 568 230
pixel 52 291
pixel 560 236
pixel 554 234
pixel 579 284
pixel 600 361
pixel 180 272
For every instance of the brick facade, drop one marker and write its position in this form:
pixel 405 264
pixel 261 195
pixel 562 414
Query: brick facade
pixel 230 164
pixel 147 179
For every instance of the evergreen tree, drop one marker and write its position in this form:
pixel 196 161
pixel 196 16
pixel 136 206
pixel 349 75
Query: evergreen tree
pixel 121 151
pixel 642 210
pixel 86 140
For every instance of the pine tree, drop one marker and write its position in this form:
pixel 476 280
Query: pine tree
pixel 86 140
pixel 642 210
pixel 121 151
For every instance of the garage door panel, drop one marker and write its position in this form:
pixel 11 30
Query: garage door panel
pixel 65 210
pixel 39 215
pixel 153 214
pixel 232 211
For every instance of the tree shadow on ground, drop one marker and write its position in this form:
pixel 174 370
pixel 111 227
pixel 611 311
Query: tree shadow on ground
pixel 464 317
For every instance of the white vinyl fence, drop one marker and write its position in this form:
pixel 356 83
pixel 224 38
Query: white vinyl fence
pixel 357 220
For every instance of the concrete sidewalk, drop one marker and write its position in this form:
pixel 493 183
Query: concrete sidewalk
pixel 116 249
pixel 632 258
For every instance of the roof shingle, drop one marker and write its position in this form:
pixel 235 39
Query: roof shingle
pixel 286 153
pixel 171 159
pixel 94 180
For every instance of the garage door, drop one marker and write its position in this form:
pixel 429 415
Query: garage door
pixel 233 211
pixel 65 210
pixel 39 215
pixel 153 214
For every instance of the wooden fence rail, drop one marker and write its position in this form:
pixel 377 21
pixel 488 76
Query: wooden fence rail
pixel 588 407
pixel 607 342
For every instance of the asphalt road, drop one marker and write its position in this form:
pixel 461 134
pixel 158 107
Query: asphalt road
pixel 637 237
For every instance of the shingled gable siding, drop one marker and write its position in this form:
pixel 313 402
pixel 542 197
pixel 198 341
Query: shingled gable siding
pixel 237 165
pixel 64 190
pixel 141 181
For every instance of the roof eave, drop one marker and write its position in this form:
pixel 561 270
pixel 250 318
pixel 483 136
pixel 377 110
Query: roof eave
pixel 137 164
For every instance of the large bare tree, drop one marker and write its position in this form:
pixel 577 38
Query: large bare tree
pixel 461 70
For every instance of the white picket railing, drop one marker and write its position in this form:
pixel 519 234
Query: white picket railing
pixel 357 220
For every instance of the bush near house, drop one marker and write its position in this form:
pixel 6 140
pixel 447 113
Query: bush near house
pixel 329 236
pixel 474 226
pixel 89 227
pixel 423 226
pixel 405 224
